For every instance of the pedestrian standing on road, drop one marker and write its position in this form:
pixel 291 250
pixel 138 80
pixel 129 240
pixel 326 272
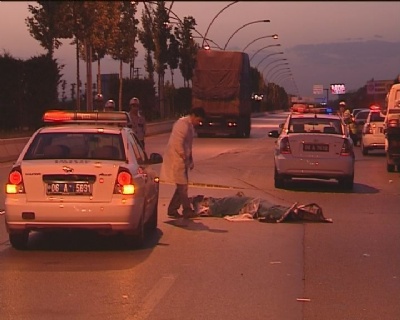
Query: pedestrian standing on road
pixel 138 121
pixel 109 106
pixel 99 102
pixel 178 160
pixel 342 109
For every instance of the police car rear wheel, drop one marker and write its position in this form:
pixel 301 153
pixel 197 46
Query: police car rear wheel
pixel 19 240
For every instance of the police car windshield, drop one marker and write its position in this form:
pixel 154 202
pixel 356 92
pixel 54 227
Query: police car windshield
pixel 76 145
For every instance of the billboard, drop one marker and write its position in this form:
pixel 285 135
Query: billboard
pixel 379 86
pixel 338 88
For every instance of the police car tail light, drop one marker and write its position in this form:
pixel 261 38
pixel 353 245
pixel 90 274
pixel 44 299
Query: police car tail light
pixel 124 183
pixel 374 107
pixel 15 182
pixel 393 123
pixel 284 147
pixel 347 149
pixel 368 129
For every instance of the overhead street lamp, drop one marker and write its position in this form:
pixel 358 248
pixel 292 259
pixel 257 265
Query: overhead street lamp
pixel 277 60
pixel 274 36
pixel 276 71
pixel 175 16
pixel 281 76
pixel 207 46
pixel 240 28
pixel 269 46
pixel 274 67
pixel 268 55
pixel 216 16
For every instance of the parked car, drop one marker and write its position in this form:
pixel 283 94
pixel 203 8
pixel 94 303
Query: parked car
pixel 358 122
pixel 82 170
pixel 373 136
pixel 314 146
pixel 357 110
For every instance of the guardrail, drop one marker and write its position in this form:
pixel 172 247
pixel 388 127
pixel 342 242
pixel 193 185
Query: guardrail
pixel 11 148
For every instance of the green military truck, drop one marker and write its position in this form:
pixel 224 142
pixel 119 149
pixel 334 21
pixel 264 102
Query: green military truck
pixel 221 85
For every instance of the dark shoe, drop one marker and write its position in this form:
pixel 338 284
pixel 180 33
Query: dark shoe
pixel 188 214
pixel 174 214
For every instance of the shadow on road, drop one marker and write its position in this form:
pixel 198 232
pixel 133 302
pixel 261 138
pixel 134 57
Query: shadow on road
pixel 327 187
pixel 193 225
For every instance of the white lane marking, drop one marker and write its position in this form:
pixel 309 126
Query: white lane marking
pixel 154 297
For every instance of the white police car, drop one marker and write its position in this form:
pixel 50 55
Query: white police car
pixel 373 136
pixel 83 170
pixel 314 146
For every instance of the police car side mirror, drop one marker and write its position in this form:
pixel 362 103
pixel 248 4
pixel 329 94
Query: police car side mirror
pixel 273 134
pixel 155 158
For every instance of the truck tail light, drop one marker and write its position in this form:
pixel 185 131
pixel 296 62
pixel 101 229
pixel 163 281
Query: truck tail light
pixel 124 183
pixel 15 182
pixel 284 147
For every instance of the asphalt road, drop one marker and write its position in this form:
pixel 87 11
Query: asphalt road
pixel 211 268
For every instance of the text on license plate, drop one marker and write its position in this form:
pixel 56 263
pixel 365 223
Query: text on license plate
pixel 316 147
pixel 69 188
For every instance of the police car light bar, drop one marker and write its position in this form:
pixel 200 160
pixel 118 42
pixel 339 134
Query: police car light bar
pixel 119 118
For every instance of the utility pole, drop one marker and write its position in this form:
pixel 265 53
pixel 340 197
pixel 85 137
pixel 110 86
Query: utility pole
pixel 327 95
pixel 136 73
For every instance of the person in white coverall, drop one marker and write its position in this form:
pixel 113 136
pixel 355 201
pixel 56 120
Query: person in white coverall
pixel 178 160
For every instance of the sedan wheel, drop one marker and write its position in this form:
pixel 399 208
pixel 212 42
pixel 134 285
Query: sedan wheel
pixel 279 181
pixel 364 150
pixel 19 240
pixel 136 241
pixel 153 221
pixel 390 167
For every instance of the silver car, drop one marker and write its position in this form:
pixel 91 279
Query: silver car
pixel 314 146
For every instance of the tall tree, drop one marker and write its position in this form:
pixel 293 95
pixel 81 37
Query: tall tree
pixel 173 56
pixel 43 25
pixel 124 48
pixel 187 49
pixel 145 35
pixel 160 35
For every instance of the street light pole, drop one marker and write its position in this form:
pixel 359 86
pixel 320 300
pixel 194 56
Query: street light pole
pixel 282 76
pixel 209 40
pixel 272 54
pixel 327 95
pixel 276 71
pixel 274 36
pixel 269 46
pixel 175 16
pixel 277 60
pixel 245 25
pixel 216 16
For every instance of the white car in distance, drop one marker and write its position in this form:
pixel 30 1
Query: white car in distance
pixel 314 146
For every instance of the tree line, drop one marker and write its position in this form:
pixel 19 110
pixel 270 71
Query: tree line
pixel 107 28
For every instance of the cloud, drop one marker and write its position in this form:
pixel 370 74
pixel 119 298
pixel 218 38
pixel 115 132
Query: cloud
pixel 352 62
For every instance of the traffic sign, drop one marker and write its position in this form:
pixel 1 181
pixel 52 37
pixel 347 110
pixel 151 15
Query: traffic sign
pixel 318 89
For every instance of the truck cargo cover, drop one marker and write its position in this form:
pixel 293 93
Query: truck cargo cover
pixel 218 74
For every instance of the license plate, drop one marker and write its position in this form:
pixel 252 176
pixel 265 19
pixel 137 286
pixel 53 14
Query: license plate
pixel 69 188
pixel 316 147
